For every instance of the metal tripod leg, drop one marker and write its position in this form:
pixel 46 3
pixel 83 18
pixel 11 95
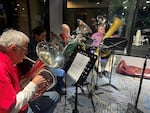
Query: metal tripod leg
pixel 109 84
pixel 75 110
pixel 91 98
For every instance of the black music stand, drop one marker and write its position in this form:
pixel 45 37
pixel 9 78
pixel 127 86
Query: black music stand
pixel 113 44
pixel 131 108
pixel 82 78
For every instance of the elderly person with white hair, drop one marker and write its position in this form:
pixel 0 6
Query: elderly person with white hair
pixel 65 34
pixel 14 99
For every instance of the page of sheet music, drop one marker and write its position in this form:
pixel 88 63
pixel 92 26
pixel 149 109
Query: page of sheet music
pixel 77 66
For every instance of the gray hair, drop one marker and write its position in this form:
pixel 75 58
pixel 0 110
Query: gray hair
pixel 12 36
pixel 65 27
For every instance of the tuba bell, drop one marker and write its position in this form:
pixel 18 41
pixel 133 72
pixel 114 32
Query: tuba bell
pixel 115 25
pixel 49 55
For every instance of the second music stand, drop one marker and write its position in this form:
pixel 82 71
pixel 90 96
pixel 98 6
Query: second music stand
pixel 113 44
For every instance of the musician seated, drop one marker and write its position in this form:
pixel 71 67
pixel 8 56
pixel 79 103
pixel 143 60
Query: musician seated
pixel 14 99
pixel 39 34
pixel 99 50
pixel 98 36
pixel 65 34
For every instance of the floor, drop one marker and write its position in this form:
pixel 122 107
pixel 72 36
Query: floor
pixel 107 99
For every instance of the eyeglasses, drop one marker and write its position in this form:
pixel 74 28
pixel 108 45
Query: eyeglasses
pixel 24 49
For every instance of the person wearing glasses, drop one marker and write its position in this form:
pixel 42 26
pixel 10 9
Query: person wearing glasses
pixel 14 98
pixel 39 34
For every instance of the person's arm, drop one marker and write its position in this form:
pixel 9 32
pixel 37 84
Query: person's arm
pixel 12 99
pixel 24 96
pixel 29 90
pixel 7 95
pixel 10 102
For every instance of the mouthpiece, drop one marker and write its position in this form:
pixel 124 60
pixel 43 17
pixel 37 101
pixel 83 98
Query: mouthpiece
pixel 25 57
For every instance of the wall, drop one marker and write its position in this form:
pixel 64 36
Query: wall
pixel 35 13
pixel 56 15
pixel 22 16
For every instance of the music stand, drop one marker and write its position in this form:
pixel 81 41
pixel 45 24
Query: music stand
pixel 113 44
pixel 131 108
pixel 87 63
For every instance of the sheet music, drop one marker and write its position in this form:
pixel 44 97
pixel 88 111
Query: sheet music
pixel 77 66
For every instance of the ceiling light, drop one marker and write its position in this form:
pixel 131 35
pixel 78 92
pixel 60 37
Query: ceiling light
pixel 148 1
pixel 97 3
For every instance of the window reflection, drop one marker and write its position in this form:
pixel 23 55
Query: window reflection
pixel 24 15
pixel 135 18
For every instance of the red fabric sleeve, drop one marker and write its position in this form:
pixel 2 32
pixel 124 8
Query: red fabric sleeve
pixel 9 84
pixel 8 94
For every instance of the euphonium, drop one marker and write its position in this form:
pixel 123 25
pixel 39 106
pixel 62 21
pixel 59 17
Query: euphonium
pixel 50 57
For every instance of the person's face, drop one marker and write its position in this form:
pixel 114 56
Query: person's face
pixel 41 37
pixel 101 29
pixel 22 51
pixel 68 31
pixel 17 53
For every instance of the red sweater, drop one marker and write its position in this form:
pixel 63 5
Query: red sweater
pixel 9 84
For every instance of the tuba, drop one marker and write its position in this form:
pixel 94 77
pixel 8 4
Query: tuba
pixel 115 26
pixel 52 58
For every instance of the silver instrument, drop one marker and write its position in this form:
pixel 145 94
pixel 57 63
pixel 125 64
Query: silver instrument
pixel 49 55
pixel 52 58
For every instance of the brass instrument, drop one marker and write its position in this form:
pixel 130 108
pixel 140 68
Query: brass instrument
pixel 115 25
pixel 79 38
pixel 49 56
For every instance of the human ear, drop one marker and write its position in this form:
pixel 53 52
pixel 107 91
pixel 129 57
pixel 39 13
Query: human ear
pixel 13 48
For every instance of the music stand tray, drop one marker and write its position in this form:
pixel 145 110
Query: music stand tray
pixel 114 44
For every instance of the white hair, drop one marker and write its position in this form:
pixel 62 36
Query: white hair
pixel 12 36
pixel 65 27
